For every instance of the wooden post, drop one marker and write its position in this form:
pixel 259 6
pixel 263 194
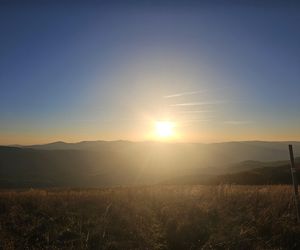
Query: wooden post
pixel 295 181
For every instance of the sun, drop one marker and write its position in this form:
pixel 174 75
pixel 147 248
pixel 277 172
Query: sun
pixel 164 129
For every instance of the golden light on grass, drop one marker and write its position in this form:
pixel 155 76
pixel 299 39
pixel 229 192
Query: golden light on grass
pixel 164 129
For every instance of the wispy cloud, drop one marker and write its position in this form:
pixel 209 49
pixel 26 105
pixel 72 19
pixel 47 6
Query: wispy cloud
pixel 195 111
pixel 238 122
pixel 192 92
pixel 184 94
pixel 195 104
pixel 195 121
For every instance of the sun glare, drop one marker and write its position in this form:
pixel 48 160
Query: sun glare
pixel 164 128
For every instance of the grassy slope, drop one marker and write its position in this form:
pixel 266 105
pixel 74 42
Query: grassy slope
pixel 158 217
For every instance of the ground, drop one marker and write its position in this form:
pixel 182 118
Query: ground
pixel 155 217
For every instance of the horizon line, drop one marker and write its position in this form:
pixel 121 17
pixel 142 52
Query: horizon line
pixel 155 141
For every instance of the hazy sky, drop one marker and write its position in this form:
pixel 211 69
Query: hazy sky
pixel 89 70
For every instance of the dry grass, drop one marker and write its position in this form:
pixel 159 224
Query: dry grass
pixel 158 217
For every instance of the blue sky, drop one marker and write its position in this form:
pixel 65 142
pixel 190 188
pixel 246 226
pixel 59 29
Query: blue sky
pixel 92 70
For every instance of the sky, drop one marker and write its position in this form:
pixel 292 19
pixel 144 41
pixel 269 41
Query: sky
pixel 108 70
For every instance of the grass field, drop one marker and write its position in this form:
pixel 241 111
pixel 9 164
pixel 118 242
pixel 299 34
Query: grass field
pixel 156 217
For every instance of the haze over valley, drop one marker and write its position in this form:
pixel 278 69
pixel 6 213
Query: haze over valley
pixel 117 163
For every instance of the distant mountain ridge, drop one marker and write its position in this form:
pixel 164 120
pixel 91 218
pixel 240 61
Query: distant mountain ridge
pixel 113 163
pixel 231 152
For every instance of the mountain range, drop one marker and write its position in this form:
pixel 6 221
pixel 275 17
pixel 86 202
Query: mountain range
pixel 115 163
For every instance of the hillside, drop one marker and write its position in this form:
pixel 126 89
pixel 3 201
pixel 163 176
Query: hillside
pixel 211 154
pixel 257 176
pixel 98 164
